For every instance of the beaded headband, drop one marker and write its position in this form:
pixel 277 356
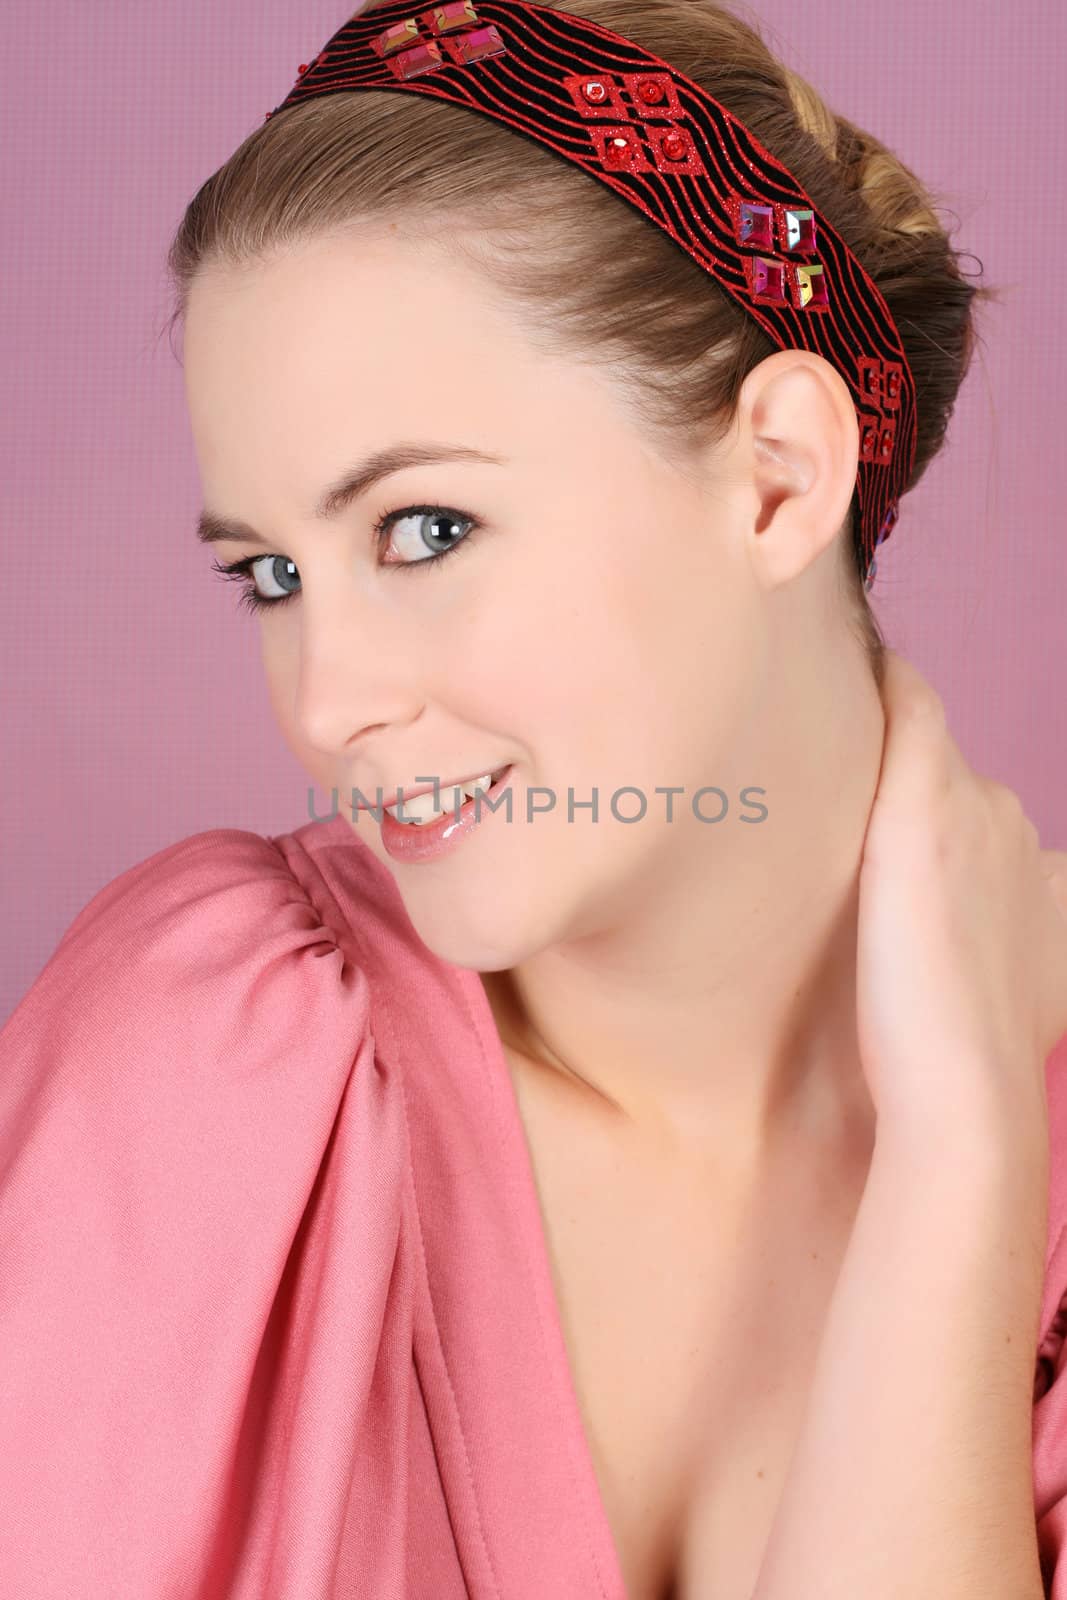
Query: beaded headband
pixel 662 143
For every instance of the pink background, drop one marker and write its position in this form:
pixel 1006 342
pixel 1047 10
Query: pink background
pixel 134 711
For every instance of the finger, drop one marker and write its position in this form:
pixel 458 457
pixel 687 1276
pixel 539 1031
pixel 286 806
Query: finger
pixel 1053 967
pixel 907 693
pixel 1054 871
pixel 919 756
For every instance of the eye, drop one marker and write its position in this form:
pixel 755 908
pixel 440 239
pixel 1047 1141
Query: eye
pixel 251 596
pixel 439 532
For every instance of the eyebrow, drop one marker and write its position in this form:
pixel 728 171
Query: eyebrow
pixel 351 486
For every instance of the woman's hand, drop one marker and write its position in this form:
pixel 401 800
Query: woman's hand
pixel 962 941
pixel 912 1472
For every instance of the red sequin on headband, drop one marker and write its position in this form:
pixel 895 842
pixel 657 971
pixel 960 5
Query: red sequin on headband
pixel 664 145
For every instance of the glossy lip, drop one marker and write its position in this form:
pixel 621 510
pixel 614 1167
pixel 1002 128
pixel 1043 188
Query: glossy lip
pixel 414 843
pixel 427 788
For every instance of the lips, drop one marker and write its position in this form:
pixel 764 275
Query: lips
pixel 414 842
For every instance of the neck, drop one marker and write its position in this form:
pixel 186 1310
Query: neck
pixel 721 1010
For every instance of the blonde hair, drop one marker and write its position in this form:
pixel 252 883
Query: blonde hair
pixel 587 275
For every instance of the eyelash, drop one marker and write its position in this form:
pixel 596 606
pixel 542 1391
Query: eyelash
pixel 254 601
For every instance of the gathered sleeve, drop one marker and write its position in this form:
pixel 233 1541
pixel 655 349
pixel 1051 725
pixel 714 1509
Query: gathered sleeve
pixel 1050 1373
pixel 168 1087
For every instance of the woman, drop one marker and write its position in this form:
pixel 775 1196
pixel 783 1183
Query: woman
pixel 585 1195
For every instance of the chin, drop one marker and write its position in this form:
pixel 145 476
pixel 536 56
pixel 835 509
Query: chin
pixel 479 935
pixel 484 931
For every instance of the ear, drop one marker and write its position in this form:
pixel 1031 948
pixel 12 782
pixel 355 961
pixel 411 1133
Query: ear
pixel 801 440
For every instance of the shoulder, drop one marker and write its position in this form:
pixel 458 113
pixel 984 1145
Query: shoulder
pixel 221 876
pixel 202 1169
pixel 201 946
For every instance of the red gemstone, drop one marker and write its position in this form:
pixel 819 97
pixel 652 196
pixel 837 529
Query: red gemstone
pixel 757 224
pixel 302 68
pixel 617 153
pixel 871 377
pixel 675 147
pixel 594 92
pixel 455 15
pixel 425 57
pixel 650 92
pixel 768 278
pixel 400 33
pixel 479 43
pixel 799 230
pixel 811 285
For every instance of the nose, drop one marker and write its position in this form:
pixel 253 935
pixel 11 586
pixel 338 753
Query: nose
pixel 359 669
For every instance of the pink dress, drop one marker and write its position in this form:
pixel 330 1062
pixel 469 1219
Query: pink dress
pixel 277 1320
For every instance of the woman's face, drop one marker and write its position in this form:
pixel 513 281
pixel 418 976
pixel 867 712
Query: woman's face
pixel 596 625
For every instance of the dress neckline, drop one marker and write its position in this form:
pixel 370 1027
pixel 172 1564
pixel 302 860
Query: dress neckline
pixel 559 1412
pixel 487 1337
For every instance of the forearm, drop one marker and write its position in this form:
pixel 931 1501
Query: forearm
pixel 912 1473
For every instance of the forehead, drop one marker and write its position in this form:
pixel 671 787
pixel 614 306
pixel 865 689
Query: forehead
pixel 374 323
pixel 321 356
pixel 336 347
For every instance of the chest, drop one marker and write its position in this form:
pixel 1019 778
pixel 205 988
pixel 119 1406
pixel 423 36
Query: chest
pixel 692 1313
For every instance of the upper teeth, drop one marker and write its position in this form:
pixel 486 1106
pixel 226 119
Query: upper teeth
pixel 422 807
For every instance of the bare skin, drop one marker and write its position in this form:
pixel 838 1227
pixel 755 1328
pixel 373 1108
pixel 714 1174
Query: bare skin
pixel 692 1303
pixel 617 621
pixel 677 1001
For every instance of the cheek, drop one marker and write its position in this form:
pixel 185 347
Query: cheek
pixel 281 668
pixel 569 682
pixel 549 659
